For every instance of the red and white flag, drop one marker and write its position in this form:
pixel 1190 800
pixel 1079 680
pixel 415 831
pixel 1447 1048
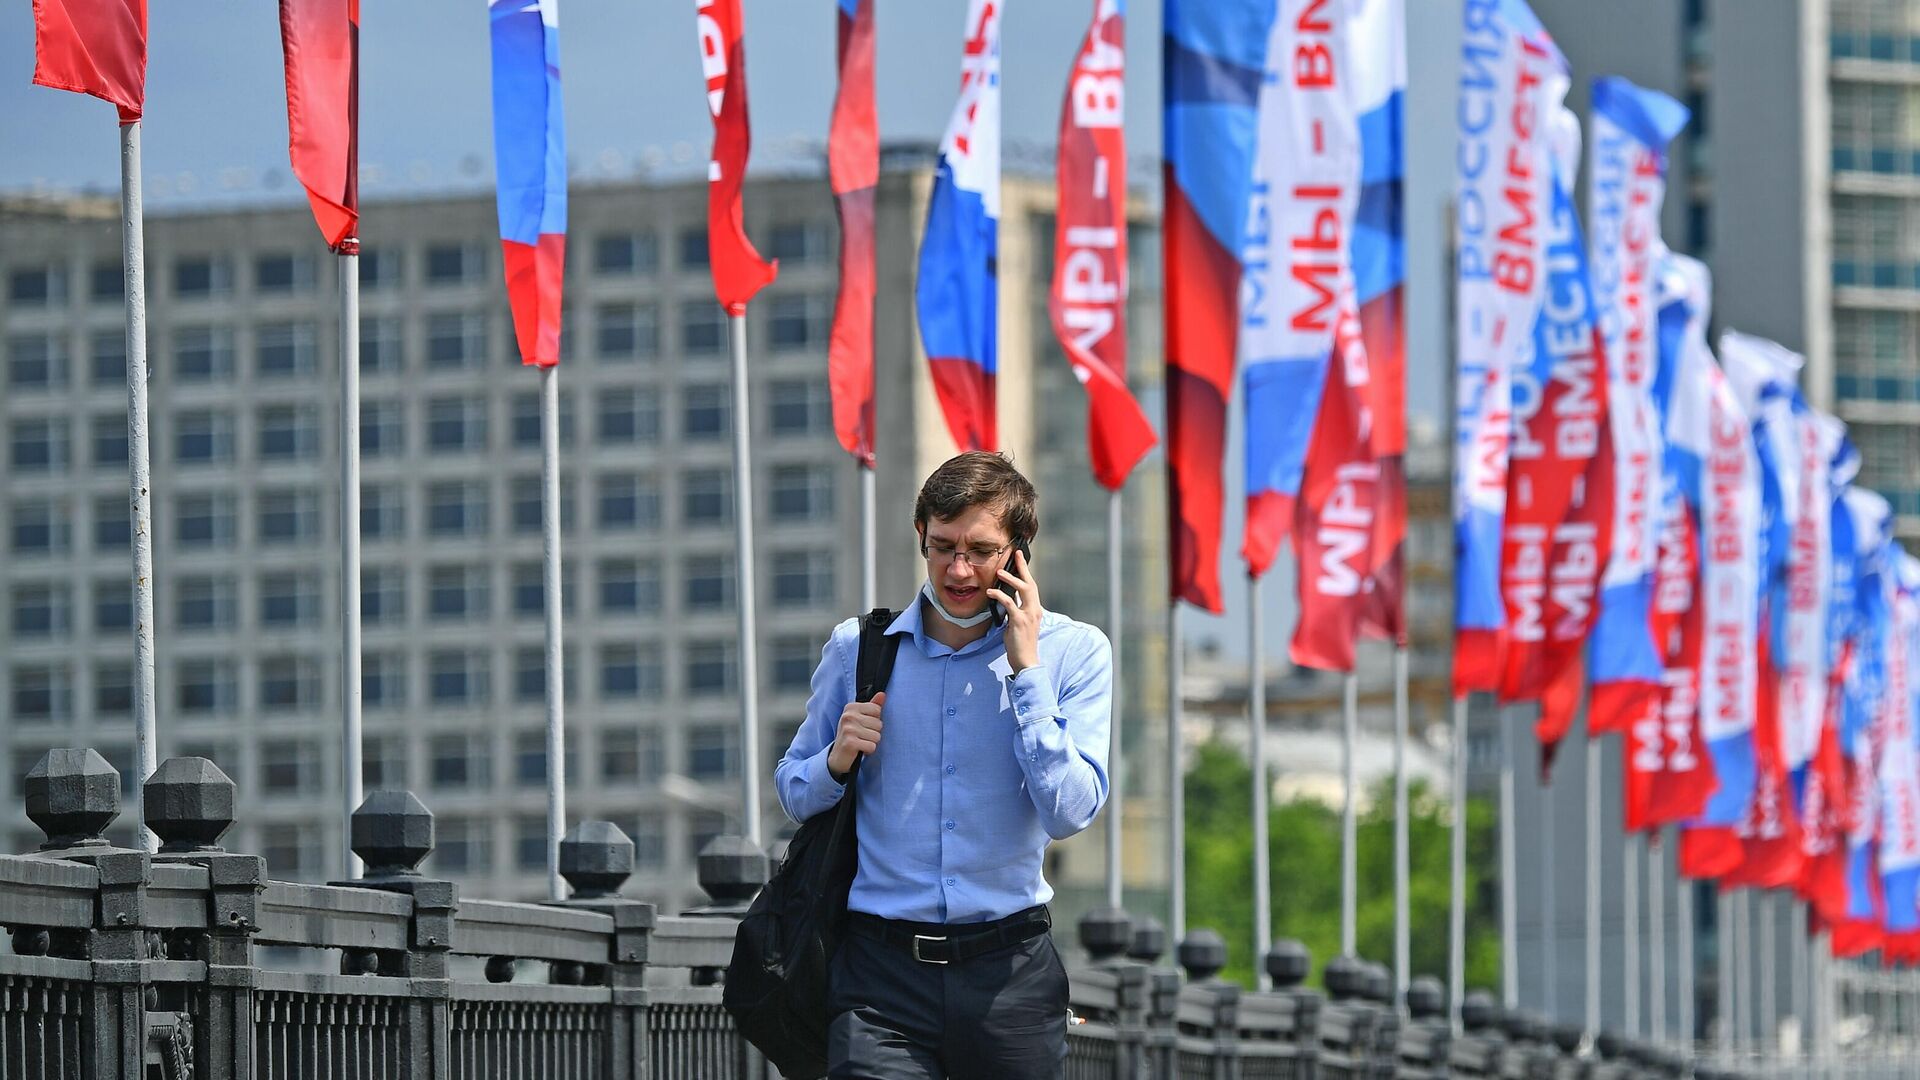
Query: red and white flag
pixel 738 270
pixel 1088 301
pixel 96 47
pixel 321 40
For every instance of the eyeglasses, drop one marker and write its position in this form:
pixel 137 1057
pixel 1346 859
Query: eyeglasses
pixel 976 556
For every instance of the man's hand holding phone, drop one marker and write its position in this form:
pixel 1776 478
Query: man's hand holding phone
pixel 1019 596
pixel 859 733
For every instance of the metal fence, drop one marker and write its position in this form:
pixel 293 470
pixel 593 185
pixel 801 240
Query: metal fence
pixel 191 963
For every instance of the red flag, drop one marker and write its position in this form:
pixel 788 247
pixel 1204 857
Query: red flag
pixel 1824 810
pixel 1384 332
pixel 96 47
pixel 738 270
pixel 1770 831
pixel 1669 773
pixel 1088 301
pixel 1333 524
pixel 853 169
pixel 321 40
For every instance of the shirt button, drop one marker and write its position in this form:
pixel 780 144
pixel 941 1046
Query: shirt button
pixel 949 826
pixel 949 882
pixel 1033 757
pixel 949 770
pixel 951 710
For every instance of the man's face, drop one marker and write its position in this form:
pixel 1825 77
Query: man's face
pixel 964 558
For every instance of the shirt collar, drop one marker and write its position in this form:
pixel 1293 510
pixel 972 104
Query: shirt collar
pixel 910 621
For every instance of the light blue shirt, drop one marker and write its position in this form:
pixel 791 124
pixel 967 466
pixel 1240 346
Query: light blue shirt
pixel 975 773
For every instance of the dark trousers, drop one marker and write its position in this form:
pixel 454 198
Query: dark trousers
pixel 1001 1015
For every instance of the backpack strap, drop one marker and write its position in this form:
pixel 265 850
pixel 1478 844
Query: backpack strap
pixel 877 652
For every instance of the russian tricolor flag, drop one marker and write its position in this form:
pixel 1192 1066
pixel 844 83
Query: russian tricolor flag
pixel 530 161
pixel 956 294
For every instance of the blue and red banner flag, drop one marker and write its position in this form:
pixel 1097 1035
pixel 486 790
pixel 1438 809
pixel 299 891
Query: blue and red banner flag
pixel 738 270
pixel 96 47
pixel 320 40
pixel 1088 300
pixel 530 162
pixel 956 293
pixel 853 171
pixel 1631 129
pixel 1893 742
pixel 1215 54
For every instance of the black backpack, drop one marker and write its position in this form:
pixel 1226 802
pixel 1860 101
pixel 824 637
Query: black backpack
pixel 776 985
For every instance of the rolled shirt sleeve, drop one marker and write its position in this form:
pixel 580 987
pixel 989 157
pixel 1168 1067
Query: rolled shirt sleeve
pixel 1062 722
pixel 804 784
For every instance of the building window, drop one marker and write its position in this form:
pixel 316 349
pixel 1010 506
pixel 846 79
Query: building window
pixel 37 286
pixel 526 493
pixel 203 520
pixel 456 264
pixel 289 766
pixel 292 852
pixel 528 423
pixel 706 497
pixel 383 514
pixel 42 693
pixel 530 844
pixel 109 442
pixel 383 429
pixel 629 586
pixel 288 433
pixel 42 610
pixel 649 836
pixel 112 691
pixel 202 353
pixel 289 683
pixel 802 579
pixel 41 527
pixel 457 508
pixel 107 358
pixel 112 605
pixel 284 350
pixel 457 677
pixel 207 687
pixel 202 437
pixel 693 248
pixel 626 331
pixel 379 268
pixel 629 755
pixel 799 322
pixel 530 759
pixel 456 425
pixel 383 765
pixel 627 416
pixel 41 444
pixel 801 493
pixel 383 595
pixel 289 600
pixel 703 328
pixel 621 254
pixel 798 407
pixel 462 846
pixel 708 582
pixel 457 593
pixel 383 348
pixel 798 243
pixel 705 413
pixel 383 681
pixel 204 603
pixel 36 362
pixel 456 340
pixel 197 277
pixel 530 590
pixel 289 517
pixel 627 501
pixel 281 272
pixel 712 669
pixel 106 282
pixel 711 753
pixel 792 660
pixel 112 524
pixel 630 671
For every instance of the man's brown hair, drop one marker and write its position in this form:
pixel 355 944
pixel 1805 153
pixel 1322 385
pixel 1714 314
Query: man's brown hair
pixel 979 478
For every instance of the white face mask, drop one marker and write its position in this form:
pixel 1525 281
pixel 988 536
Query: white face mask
pixel 926 590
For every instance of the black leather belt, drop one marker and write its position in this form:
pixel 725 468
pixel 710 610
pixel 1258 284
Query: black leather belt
pixel 947 943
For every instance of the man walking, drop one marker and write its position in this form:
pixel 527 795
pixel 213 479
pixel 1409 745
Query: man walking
pixel 989 742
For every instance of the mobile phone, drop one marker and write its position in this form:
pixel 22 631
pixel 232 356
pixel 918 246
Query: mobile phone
pixel 999 610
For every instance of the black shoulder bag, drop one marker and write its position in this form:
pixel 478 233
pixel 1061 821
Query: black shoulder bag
pixel 776 985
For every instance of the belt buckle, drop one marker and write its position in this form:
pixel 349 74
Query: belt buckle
pixel 917 939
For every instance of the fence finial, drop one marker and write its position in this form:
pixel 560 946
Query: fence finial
pixel 1203 954
pixel 392 833
pixel 189 804
pixel 596 858
pixel 1288 962
pixel 73 795
pixel 1105 933
pixel 1149 940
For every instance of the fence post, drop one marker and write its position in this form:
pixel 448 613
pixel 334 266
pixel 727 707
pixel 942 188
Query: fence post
pixel 189 805
pixel 392 833
pixel 596 858
pixel 1107 935
pixel 1204 955
pixel 1288 963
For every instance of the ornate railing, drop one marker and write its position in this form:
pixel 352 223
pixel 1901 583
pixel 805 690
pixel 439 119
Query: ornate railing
pixel 190 963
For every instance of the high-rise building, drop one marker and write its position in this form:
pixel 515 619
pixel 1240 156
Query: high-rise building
pixel 243 341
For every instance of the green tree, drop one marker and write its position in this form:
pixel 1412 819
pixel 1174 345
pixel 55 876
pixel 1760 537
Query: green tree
pixel 1304 850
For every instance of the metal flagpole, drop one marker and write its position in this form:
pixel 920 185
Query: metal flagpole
pixel 1723 951
pixel 1349 838
pixel 1656 942
pixel 1767 945
pixel 556 673
pixel 139 477
pixel 1457 889
pixel 1592 929
pixel 748 595
pixel 1549 907
pixel 1402 939
pixel 350 735
pixel 1683 935
pixel 869 548
pixel 1257 723
pixel 1176 787
pixel 1742 971
pixel 1115 763
pixel 1509 915
pixel 1801 973
pixel 1630 928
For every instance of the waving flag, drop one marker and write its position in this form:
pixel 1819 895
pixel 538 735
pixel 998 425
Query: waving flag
pixel 1631 129
pixel 1088 301
pixel 1869 520
pixel 853 170
pixel 530 157
pixel 1215 59
pixel 1512 78
pixel 956 293
pixel 321 42
pixel 1306 184
pixel 1351 515
pixel 738 270
pixel 1899 764
pixel 96 47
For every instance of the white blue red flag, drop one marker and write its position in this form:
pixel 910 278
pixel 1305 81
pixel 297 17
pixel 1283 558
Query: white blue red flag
pixel 1306 184
pixel 1215 58
pixel 853 170
pixel 1512 80
pixel 1631 129
pixel 956 292
pixel 530 160
pixel 1869 518
pixel 1351 515
pixel 1899 763
pixel 1088 299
